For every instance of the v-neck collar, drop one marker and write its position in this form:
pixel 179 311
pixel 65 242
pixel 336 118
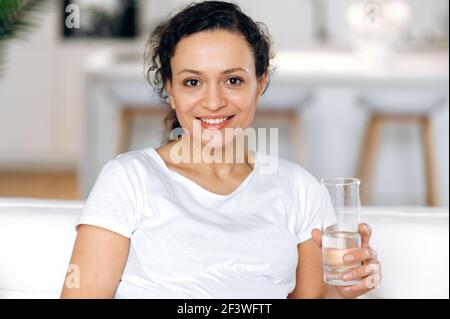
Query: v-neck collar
pixel 200 188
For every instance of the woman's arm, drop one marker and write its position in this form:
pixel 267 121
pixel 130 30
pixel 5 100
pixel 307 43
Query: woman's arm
pixel 309 282
pixel 99 257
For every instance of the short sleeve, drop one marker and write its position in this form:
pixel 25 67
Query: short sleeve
pixel 315 210
pixel 111 204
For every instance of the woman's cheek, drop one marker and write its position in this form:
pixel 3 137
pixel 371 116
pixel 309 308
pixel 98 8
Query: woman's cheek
pixel 185 110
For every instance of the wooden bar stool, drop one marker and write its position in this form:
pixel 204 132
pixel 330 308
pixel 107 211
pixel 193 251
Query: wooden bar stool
pixel 286 103
pixel 404 107
pixel 132 100
pixel 126 116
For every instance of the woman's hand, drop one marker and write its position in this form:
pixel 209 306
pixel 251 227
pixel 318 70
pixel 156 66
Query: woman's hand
pixel 368 274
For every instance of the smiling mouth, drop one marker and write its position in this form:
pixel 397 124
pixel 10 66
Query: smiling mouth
pixel 215 123
pixel 216 120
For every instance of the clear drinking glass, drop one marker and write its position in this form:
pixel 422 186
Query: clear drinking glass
pixel 342 237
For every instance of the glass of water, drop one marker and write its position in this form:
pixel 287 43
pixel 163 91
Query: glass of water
pixel 341 237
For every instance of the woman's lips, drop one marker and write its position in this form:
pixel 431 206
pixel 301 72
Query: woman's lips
pixel 216 125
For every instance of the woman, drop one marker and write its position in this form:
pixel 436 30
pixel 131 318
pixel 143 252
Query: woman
pixel 157 227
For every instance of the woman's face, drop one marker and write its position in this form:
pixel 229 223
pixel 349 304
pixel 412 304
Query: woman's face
pixel 213 73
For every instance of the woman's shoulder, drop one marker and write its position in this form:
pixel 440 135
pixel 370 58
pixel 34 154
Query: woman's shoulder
pixel 134 162
pixel 132 156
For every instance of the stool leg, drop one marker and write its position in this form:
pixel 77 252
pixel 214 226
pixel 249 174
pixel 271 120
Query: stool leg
pixel 296 137
pixel 431 189
pixel 123 131
pixel 367 160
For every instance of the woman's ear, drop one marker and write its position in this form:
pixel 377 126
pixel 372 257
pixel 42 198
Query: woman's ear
pixel 262 85
pixel 263 81
pixel 168 89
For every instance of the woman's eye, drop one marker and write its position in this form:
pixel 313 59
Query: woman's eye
pixel 194 82
pixel 191 82
pixel 235 81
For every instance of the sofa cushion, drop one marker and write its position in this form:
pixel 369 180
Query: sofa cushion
pixel 412 245
pixel 37 236
pixel 36 241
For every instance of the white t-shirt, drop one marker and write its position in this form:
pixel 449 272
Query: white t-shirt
pixel 187 242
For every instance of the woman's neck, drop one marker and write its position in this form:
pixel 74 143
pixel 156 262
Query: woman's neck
pixel 220 162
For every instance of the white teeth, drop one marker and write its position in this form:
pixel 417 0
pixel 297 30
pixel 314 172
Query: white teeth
pixel 213 121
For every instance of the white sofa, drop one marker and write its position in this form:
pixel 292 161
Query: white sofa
pixel 37 236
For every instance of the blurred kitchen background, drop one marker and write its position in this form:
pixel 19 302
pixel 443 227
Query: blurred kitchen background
pixel 360 89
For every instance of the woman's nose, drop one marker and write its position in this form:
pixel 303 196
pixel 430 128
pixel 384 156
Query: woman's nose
pixel 214 98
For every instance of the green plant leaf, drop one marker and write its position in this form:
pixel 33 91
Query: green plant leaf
pixel 16 20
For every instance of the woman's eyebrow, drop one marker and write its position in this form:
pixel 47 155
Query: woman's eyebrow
pixel 224 72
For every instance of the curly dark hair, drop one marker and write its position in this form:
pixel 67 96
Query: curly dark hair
pixel 196 17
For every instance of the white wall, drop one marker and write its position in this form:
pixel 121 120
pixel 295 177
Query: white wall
pixel 41 97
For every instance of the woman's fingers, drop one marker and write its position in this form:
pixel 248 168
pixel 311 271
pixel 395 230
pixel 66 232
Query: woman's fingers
pixel 363 271
pixel 363 286
pixel 360 255
pixel 365 231
pixel 369 274
pixel 317 236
